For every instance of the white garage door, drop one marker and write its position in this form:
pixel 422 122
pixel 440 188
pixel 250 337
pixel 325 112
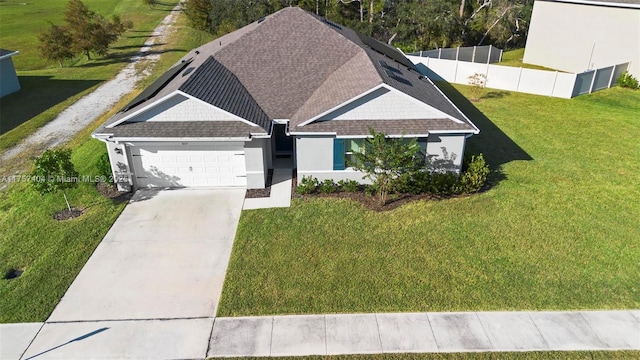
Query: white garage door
pixel 190 165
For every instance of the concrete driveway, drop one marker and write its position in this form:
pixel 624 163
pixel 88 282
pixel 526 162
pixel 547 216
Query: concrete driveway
pixel 151 288
pixel 164 258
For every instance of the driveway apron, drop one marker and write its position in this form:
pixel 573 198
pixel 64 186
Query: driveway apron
pixel 164 258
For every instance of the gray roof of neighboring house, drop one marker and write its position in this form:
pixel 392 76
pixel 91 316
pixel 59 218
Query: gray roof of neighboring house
pixel 4 53
pixel 290 65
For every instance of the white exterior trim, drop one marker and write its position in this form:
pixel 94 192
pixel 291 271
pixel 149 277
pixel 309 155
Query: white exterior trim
pixel 217 108
pixel 420 103
pixel 168 97
pixel 343 104
pixel 167 139
pixel 9 55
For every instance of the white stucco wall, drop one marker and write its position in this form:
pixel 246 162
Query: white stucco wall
pixel 315 157
pixel 563 36
pixel 120 166
pixel 446 151
pixel 256 162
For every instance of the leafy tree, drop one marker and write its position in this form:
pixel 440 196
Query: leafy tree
pixel 54 171
pixel 90 32
pixel 199 13
pixel 55 44
pixel 384 160
pixel 478 82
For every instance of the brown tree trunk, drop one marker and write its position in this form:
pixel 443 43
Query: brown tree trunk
pixel 462 4
pixel 361 12
pixel 370 11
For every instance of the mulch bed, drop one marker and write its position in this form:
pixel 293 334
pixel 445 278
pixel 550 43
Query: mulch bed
pixel 261 193
pixel 110 191
pixel 66 214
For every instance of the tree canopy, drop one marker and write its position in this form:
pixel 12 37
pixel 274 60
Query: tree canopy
pixel 411 25
pixel 85 32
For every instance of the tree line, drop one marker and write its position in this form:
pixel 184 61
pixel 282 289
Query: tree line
pixel 85 32
pixel 410 25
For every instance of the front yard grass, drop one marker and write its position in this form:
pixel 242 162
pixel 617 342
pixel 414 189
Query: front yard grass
pixel 557 229
pixel 51 252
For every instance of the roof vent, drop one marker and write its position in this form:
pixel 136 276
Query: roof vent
pixel 197 52
pixel 261 20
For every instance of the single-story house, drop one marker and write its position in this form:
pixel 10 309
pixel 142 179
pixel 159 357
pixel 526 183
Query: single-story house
pixel 8 79
pixel 290 85
pixel 579 35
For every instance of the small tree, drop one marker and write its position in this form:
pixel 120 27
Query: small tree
pixel 384 160
pixel 478 82
pixel 54 171
pixel 55 44
pixel 91 32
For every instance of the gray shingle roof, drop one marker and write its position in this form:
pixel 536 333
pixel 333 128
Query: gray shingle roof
pixel 185 129
pixel 296 66
pixel 395 127
pixel 216 85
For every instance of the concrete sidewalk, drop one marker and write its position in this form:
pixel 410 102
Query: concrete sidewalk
pixel 425 332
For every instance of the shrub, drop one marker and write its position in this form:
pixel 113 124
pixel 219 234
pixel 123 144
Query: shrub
pixel 327 187
pixel 349 185
pixel 307 185
pixel 104 168
pixel 474 177
pixel 628 81
pixel 370 189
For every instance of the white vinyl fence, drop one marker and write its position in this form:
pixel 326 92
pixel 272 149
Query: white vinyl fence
pixel 539 82
pixel 487 54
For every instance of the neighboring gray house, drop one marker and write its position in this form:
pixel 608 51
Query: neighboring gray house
pixel 8 79
pixel 291 85
pixel 579 35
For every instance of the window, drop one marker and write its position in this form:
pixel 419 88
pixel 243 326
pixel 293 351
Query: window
pixel 343 150
pixel 352 146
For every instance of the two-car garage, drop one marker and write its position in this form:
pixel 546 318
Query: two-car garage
pixel 188 165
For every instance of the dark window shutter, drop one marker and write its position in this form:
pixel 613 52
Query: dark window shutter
pixel 338 154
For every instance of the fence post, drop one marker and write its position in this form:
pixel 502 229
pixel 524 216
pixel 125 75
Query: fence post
pixel 439 53
pixel 473 56
pixel 593 80
pixel 553 87
pixel 519 76
pixel 457 52
pixel 615 67
pixel 500 56
pixel 489 56
pixel 455 73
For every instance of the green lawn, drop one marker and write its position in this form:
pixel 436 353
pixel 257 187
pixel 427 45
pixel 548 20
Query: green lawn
pixel 50 252
pixel 549 355
pixel 48 89
pixel 557 229
pixel 514 58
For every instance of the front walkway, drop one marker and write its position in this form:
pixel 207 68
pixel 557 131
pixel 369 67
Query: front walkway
pixel 280 189
pixel 425 333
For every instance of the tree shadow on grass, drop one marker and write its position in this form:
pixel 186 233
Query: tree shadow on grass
pixel 125 57
pixel 37 94
pixel 497 147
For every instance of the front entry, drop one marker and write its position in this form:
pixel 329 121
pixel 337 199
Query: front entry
pixel 284 143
